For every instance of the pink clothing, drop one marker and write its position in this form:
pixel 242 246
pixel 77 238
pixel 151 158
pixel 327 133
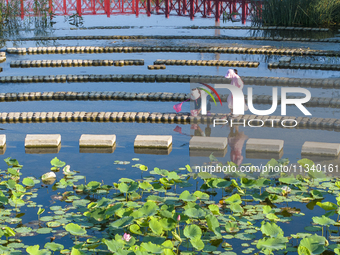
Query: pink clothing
pixel 236 141
pixel 235 81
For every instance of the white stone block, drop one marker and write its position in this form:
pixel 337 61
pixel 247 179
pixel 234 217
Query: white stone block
pixel 2 141
pixel 264 145
pixel 317 148
pixel 203 142
pixel 158 141
pixel 52 140
pixel 97 140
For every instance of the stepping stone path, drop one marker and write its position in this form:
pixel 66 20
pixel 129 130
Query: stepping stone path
pixel 211 143
pixel 318 148
pixel 153 141
pixel 51 140
pixel 97 140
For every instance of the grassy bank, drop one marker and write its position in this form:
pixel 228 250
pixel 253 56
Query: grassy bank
pixel 313 13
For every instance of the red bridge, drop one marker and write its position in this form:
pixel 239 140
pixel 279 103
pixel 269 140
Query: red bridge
pixel 191 8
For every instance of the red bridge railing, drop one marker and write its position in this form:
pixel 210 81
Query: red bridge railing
pixel 191 8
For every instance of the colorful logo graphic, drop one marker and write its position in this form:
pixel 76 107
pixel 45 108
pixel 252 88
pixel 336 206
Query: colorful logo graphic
pixel 195 96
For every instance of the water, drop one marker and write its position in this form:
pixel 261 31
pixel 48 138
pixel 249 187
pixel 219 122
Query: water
pixel 99 166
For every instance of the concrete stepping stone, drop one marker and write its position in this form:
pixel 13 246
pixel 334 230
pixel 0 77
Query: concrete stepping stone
pixel 97 140
pixel 50 140
pixel 153 141
pixel 264 145
pixel 318 148
pixel 2 141
pixel 214 143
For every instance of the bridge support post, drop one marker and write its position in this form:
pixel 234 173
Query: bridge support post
pixel 22 13
pixel 157 6
pixel 208 7
pixel 244 12
pixel 217 12
pixel 148 7
pixel 192 11
pixel 184 7
pixel 167 8
pixel 50 6
pixel 79 7
pixel 234 6
pixel 107 4
pixel 137 8
pixel 64 7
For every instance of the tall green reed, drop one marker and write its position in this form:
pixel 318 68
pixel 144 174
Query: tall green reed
pixel 313 13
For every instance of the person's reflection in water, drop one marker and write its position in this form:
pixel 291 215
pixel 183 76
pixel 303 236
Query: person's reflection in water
pixel 236 140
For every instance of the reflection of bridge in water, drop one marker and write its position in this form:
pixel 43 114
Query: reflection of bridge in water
pixel 190 8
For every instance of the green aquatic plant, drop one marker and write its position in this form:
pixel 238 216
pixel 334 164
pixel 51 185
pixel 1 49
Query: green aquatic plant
pixel 163 213
pixel 309 13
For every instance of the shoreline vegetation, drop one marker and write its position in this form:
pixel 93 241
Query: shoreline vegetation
pixel 305 13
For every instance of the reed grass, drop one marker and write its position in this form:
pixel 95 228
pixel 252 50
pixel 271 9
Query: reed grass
pixel 311 13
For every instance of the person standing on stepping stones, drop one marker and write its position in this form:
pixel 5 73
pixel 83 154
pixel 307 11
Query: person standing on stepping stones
pixel 235 81
pixel 196 99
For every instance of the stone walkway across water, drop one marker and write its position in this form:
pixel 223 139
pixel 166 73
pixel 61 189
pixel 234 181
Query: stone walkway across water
pixel 213 49
pixel 248 80
pixel 145 96
pixel 184 118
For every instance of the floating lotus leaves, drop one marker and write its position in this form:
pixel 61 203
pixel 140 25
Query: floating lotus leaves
pixel 128 187
pixel 271 229
pixel 153 248
pixel 214 209
pixel 197 243
pixel 316 194
pixel 192 232
pixel 232 227
pixel 143 168
pixel 290 180
pixel 145 185
pixel 186 196
pixel 75 229
pixel 213 224
pixel 272 243
pixel 156 226
pixel 113 245
pixel 220 183
pixel 267 209
pixel 28 182
pixel 315 244
pixel 149 208
pixel 168 224
pixel 44 230
pixel 57 163
pixel 327 206
pixel 201 195
pixel 234 199
pixel 323 220
pixel 34 250
pixel 196 213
